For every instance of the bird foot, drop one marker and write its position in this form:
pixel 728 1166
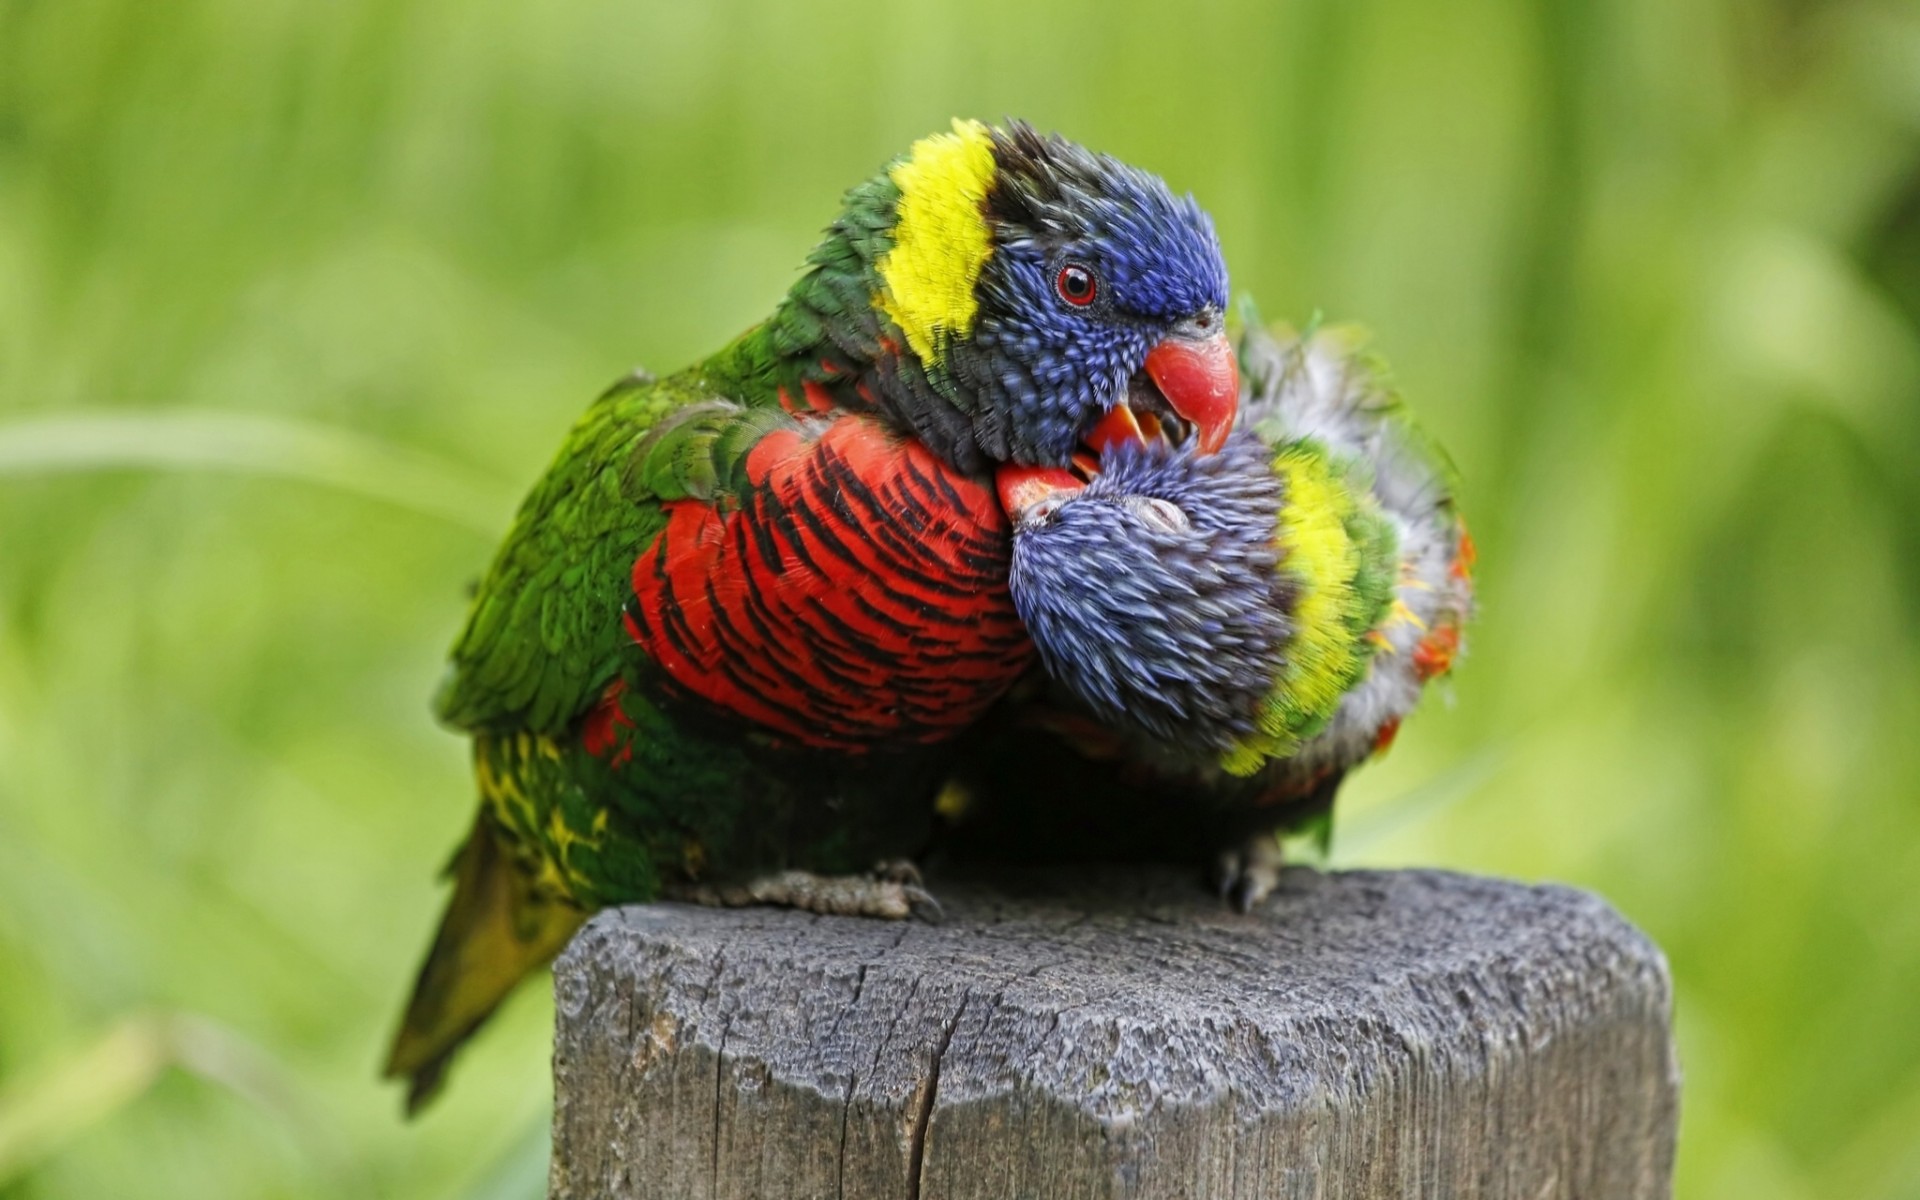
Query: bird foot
pixel 1248 873
pixel 892 891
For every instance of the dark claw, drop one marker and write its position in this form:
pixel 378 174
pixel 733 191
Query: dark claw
pixel 1242 894
pixel 1246 874
pixel 1226 869
pixel 1233 879
pixel 922 904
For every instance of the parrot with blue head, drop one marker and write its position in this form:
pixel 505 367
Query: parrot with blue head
pixel 1223 638
pixel 729 643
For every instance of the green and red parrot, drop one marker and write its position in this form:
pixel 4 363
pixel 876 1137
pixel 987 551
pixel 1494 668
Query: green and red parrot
pixel 1223 637
pixel 733 634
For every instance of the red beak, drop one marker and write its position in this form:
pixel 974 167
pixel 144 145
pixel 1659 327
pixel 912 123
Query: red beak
pixel 1022 487
pixel 1201 381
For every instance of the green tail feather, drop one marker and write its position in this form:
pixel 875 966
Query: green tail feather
pixel 495 933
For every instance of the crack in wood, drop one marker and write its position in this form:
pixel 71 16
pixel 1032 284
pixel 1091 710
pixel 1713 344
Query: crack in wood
pixel 917 1142
pixel 719 1075
pixel 846 1104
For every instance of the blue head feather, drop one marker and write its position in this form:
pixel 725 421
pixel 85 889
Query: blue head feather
pixel 1043 369
pixel 1154 595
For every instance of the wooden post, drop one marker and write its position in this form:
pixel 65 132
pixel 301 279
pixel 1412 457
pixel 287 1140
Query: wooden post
pixel 1119 1034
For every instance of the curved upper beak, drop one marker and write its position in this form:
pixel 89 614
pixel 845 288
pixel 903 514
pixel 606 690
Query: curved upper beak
pixel 1023 488
pixel 1200 378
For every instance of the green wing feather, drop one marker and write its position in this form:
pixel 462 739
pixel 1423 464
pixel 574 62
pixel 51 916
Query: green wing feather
pixel 544 636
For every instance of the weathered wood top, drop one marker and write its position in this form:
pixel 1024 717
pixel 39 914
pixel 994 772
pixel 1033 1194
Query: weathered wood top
pixel 1118 1033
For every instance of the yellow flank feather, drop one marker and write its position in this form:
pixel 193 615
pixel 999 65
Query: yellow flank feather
pixel 505 799
pixel 1324 653
pixel 557 872
pixel 501 793
pixel 940 237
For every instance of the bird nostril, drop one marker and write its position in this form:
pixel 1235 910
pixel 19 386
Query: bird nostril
pixel 1203 324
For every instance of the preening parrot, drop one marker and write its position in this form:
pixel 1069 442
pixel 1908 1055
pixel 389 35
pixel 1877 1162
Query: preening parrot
pixel 1223 636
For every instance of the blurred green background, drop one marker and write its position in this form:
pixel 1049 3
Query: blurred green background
pixel 295 298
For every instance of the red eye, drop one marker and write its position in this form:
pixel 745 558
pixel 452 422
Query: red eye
pixel 1076 285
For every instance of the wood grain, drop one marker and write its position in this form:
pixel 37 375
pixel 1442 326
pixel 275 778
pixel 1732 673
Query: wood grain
pixel 1118 1034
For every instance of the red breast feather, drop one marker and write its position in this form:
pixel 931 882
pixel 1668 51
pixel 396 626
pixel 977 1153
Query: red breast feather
pixel 856 596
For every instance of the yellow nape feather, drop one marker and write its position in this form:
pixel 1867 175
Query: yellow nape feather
pixel 940 237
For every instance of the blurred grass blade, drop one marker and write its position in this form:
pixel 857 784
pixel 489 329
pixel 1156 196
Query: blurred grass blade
pixel 204 1047
pixel 253 444
pixel 39 1117
pixel 1375 825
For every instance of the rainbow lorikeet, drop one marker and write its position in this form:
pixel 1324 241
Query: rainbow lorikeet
pixel 728 643
pixel 1224 637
